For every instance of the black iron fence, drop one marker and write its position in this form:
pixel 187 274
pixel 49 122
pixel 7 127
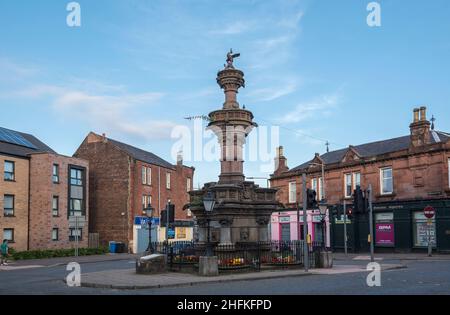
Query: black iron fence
pixel 240 255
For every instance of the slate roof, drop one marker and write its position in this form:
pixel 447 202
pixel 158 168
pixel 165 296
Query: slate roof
pixel 22 151
pixel 141 155
pixel 375 148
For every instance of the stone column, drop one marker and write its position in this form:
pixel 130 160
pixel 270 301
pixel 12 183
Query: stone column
pixel 225 230
pixel 263 226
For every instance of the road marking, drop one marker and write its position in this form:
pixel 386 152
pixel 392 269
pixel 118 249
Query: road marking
pixel 11 268
pixel 366 258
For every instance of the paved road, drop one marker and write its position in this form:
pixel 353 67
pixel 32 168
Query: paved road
pixel 421 277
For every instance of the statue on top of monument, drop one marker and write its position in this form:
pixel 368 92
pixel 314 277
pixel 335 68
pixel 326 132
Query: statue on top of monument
pixel 230 58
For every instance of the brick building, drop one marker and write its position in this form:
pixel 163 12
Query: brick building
pixel 123 180
pixel 36 191
pixel 406 173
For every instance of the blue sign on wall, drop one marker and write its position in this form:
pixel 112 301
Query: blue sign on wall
pixel 171 233
pixel 144 221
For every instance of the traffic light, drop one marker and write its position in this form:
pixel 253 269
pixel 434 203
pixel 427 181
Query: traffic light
pixel 350 213
pixel 359 202
pixel 171 215
pixel 311 197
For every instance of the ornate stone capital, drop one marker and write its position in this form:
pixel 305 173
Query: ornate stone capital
pixel 262 220
pixel 226 222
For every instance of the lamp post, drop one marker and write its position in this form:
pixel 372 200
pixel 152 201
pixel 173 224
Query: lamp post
pixel 323 212
pixel 148 211
pixel 209 202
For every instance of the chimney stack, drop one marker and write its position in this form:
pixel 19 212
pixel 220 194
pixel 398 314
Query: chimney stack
pixel 180 158
pixel 280 161
pixel 420 128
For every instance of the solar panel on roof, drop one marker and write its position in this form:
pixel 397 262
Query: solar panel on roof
pixel 13 137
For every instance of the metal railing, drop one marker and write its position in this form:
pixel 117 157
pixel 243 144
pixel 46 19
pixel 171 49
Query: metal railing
pixel 240 255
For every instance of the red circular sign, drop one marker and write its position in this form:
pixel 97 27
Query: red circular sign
pixel 429 212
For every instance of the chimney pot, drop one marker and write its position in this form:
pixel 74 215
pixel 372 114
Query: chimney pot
pixel 423 113
pixel 416 115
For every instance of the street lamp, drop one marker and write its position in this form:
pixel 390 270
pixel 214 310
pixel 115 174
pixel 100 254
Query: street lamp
pixel 323 213
pixel 208 203
pixel 148 211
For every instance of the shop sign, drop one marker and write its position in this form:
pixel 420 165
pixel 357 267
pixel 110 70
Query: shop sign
pixel 341 220
pixel 284 219
pixel 384 234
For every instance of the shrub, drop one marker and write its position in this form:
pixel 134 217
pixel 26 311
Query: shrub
pixel 53 253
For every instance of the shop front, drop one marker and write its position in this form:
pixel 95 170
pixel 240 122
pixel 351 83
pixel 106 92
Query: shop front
pixel 398 227
pixel 289 225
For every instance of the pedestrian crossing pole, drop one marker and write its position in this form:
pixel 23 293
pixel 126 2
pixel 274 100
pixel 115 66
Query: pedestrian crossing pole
pixel 345 227
pixel 305 224
pixel 371 224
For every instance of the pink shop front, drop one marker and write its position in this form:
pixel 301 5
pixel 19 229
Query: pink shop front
pixel 286 227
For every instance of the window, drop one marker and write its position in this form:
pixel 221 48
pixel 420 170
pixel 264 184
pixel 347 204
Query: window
pixel 74 233
pixel 188 184
pixel 422 231
pixel 292 192
pixel 149 176
pixel 146 200
pixel 352 181
pixel 55 173
pixel 387 183
pixel 9 171
pixel 348 185
pixel 320 196
pixel 76 191
pixel 317 186
pixel 356 180
pixel 8 234
pixel 76 177
pixel 55 234
pixel 448 172
pixel 144 175
pixel 168 180
pixel 314 185
pixel 75 207
pixel 8 205
pixel 55 206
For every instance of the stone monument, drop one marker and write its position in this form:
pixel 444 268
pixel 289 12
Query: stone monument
pixel 243 209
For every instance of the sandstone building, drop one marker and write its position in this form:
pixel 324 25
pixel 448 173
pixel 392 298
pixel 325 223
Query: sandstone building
pixel 407 174
pixel 123 180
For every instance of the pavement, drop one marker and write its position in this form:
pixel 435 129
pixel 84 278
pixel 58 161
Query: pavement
pixel 62 261
pixel 127 279
pixel 391 256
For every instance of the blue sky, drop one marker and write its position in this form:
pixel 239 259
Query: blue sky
pixel 135 69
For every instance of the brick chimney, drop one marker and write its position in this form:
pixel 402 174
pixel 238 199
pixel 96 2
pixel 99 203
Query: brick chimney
pixel 280 162
pixel 420 128
pixel 180 158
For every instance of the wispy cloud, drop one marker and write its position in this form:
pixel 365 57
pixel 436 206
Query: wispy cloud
pixel 112 113
pixel 10 70
pixel 323 105
pixel 292 21
pixel 232 29
pixel 271 93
